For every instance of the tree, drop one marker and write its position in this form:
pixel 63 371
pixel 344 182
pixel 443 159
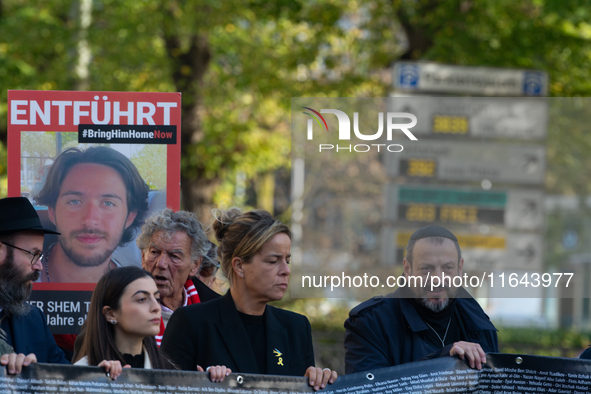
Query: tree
pixel 237 63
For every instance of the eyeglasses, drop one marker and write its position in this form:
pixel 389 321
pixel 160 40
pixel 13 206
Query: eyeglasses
pixel 36 256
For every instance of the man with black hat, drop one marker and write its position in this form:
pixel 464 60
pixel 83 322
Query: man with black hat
pixel 23 329
pixel 425 319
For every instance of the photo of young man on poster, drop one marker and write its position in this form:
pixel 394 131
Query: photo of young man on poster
pixel 97 200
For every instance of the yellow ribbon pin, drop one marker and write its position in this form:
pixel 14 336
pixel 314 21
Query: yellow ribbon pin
pixel 278 354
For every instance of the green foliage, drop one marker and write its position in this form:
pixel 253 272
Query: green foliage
pixel 36 41
pixel 38 144
pixel 265 52
pixel 151 163
pixel 324 314
pixel 2 162
pixel 261 55
pixel 550 35
pixel 542 342
pixel 568 147
pixel 3 186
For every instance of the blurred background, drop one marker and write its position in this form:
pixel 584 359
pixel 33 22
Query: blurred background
pixel 239 63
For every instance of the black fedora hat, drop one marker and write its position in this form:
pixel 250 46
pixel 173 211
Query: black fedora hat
pixel 18 214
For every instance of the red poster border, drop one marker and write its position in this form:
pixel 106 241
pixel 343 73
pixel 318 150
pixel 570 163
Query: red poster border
pixel 64 286
pixel 173 165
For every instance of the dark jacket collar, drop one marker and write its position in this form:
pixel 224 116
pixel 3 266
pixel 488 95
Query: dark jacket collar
pixel 205 293
pixel 469 310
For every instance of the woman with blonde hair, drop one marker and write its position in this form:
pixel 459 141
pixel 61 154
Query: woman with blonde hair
pixel 240 330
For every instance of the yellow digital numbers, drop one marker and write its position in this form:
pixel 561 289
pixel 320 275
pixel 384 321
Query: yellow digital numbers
pixel 450 124
pixel 421 213
pixel 446 213
pixel 424 168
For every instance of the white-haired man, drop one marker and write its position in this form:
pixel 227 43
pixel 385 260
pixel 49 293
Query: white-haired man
pixel 173 245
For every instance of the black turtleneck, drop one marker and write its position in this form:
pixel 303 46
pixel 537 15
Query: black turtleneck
pixel 136 361
pixel 439 322
pixel 255 329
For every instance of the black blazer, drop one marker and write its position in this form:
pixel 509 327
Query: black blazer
pixel 213 334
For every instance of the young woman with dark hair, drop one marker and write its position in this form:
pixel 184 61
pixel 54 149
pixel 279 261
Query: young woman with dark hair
pixel 123 318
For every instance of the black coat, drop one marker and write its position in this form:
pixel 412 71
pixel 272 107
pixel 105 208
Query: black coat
pixel 387 331
pixel 213 334
pixel 205 293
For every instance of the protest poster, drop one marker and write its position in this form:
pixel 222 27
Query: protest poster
pixel 94 165
pixel 503 373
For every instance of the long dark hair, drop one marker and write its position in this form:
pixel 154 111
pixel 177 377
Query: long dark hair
pixel 99 339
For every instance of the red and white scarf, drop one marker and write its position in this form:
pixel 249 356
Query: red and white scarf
pixel 191 298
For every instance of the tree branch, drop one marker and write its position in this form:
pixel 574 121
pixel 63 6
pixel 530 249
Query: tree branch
pixel 420 28
pixel 188 70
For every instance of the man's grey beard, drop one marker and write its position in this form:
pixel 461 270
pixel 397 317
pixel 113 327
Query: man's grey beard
pixel 14 289
pixel 435 306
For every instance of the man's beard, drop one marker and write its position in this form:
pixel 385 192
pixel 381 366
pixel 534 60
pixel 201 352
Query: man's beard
pixel 436 305
pixel 14 288
pixel 82 260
